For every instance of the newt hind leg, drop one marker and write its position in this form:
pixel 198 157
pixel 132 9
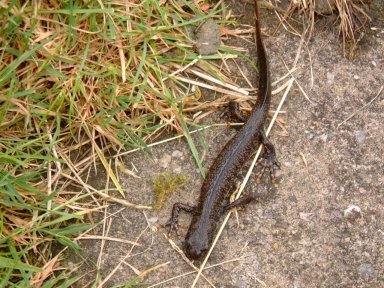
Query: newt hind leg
pixel 173 221
pixel 268 160
pixel 242 201
pixel 235 113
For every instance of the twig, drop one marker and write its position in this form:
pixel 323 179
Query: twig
pixel 285 76
pixel 214 80
pixel 183 68
pixel 298 84
pixel 362 108
pixel 192 272
pixel 52 180
pixel 121 201
pixel 174 138
pixel 177 248
pixel 100 285
pixel 210 87
pixel 99 237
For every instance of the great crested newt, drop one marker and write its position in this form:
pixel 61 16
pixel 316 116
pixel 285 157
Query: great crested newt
pixel 216 186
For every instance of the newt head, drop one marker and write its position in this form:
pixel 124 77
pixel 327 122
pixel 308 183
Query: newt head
pixel 195 252
pixel 199 239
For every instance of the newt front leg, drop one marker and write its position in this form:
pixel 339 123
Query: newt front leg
pixel 173 221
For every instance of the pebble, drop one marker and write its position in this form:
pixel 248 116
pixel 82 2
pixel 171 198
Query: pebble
pixel 177 154
pixel 153 220
pixel 297 284
pixel 293 199
pixel 360 136
pixel 366 270
pixel 336 216
pixel 208 38
pixel 330 78
pixel 176 169
pixel 305 216
pixel 324 137
pixel 288 164
pixel 352 213
pixel 165 160
pixel 241 284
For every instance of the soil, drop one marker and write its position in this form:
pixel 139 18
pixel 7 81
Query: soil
pixel 323 226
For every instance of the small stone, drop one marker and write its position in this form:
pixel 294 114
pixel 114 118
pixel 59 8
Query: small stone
pixel 304 242
pixel 324 137
pixel 288 164
pixel 293 199
pixel 356 77
pixel 360 136
pixel 366 270
pixel 374 63
pixel 352 213
pixel 347 240
pixel 208 38
pixel 336 216
pixel 330 78
pixel 176 169
pixel 276 246
pixel 153 220
pixel 297 284
pixel 241 284
pixel 305 216
pixel 177 154
pixel 165 160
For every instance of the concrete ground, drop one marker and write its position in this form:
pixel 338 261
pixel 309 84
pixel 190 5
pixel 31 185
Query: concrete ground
pixel 323 226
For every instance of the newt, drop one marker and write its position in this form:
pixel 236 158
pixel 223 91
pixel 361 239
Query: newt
pixel 216 186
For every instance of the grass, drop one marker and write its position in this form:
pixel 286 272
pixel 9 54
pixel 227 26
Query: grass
pixel 352 20
pixel 79 80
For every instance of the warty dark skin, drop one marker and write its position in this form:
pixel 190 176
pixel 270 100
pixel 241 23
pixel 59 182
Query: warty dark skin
pixel 220 177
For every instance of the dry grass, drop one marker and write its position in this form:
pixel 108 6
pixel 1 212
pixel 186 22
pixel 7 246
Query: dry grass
pixel 352 19
pixel 79 79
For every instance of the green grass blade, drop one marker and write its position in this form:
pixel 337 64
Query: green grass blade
pixel 18 265
pixel 7 72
